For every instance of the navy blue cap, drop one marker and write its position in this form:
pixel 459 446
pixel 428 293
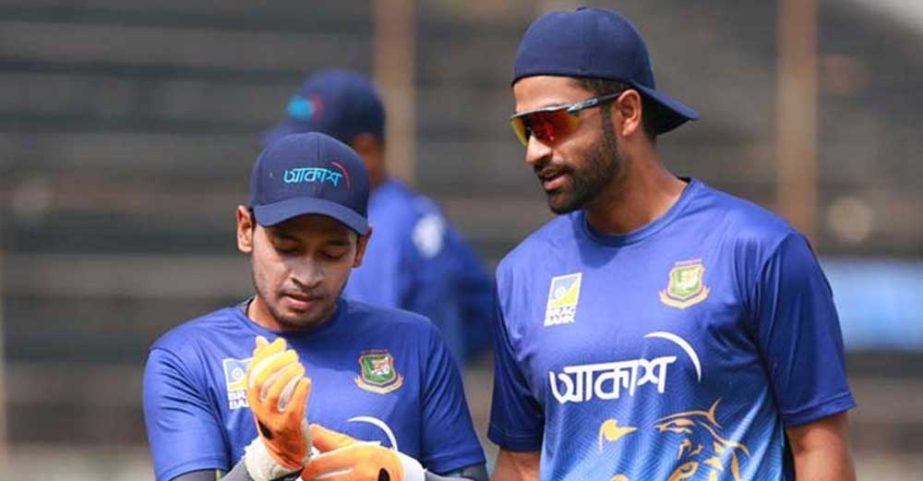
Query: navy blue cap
pixel 339 103
pixel 310 174
pixel 595 43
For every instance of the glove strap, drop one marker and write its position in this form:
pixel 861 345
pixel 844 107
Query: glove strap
pixel 413 471
pixel 262 467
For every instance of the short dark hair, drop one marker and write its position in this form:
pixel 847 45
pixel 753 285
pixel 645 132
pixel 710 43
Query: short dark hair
pixel 649 108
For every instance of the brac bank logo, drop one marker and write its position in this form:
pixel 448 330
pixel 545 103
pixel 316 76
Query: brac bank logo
pixel 235 376
pixel 563 295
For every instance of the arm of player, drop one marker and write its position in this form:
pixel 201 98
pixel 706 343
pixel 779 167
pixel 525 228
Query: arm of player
pixel 343 458
pixel 184 430
pixel 514 466
pixel 820 450
pixel 277 391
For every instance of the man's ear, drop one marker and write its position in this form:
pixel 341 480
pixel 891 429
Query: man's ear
pixel 245 230
pixel 362 243
pixel 629 107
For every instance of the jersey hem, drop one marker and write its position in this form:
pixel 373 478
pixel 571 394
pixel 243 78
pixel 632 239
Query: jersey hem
pixel 512 442
pixel 190 466
pixel 837 404
pixel 446 463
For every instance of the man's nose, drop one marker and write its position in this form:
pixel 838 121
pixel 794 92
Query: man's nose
pixel 308 273
pixel 536 151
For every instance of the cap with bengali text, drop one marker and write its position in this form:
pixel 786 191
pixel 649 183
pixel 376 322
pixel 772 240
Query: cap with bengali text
pixel 310 173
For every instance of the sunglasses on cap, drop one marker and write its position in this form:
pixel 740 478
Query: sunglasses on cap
pixel 552 123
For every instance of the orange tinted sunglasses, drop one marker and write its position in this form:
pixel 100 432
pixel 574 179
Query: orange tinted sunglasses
pixel 552 123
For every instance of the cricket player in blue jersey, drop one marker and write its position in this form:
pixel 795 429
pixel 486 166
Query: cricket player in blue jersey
pixel 658 329
pixel 345 391
pixel 416 260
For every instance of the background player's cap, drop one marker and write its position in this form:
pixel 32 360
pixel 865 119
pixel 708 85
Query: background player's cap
pixel 597 43
pixel 310 173
pixel 339 103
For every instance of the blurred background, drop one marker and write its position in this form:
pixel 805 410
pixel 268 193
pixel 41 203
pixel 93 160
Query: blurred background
pixel 127 130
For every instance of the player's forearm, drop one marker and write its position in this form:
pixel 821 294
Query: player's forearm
pixel 823 465
pixel 820 450
pixel 513 466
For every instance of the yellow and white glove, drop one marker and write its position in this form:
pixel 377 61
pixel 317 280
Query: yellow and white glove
pixel 343 458
pixel 277 391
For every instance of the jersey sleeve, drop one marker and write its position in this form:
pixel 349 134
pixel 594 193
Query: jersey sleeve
pixel 516 418
pixel 798 333
pixel 427 281
pixel 183 430
pixel 477 297
pixel 449 442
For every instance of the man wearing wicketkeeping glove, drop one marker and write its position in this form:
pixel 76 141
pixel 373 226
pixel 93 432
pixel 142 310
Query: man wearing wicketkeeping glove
pixel 380 381
pixel 277 391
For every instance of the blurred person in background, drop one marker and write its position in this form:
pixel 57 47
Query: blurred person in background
pixel 213 404
pixel 658 329
pixel 416 261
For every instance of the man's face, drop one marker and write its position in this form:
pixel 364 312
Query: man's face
pixel 576 168
pixel 299 267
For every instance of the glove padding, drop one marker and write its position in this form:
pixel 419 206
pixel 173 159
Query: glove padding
pixel 343 458
pixel 277 391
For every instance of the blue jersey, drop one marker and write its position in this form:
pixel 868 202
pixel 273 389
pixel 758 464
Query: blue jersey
pixel 681 350
pixel 378 375
pixel 416 261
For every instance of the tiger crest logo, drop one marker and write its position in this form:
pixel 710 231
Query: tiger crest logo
pixel 702 452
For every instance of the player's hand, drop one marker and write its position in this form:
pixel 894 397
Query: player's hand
pixel 277 391
pixel 343 458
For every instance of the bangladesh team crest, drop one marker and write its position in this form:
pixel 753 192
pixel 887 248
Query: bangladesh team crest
pixel 377 373
pixel 686 285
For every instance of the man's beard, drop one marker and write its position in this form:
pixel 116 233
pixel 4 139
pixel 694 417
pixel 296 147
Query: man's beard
pixel 291 320
pixel 601 165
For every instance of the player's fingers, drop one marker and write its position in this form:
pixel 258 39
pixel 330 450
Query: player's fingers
pixel 289 374
pixel 326 440
pixel 261 368
pixel 261 354
pixel 330 465
pixel 299 399
pixel 261 342
pixel 277 345
pixel 344 474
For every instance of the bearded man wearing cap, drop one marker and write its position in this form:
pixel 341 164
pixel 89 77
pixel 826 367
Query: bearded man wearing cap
pixel 417 260
pixel 658 329
pixel 298 382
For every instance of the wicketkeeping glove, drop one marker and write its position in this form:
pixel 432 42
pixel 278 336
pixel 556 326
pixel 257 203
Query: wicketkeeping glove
pixel 343 458
pixel 277 391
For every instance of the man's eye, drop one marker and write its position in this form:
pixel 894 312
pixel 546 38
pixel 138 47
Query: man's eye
pixel 286 248
pixel 334 254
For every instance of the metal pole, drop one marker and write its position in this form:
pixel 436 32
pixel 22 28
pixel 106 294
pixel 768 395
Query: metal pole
pixel 796 114
pixel 3 395
pixel 395 64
